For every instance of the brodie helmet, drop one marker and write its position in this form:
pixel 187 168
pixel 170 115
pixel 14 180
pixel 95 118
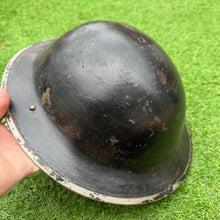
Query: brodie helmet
pixel 101 110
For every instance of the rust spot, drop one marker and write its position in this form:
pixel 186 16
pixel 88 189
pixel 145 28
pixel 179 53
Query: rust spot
pixel 32 107
pixel 132 121
pixel 45 98
pixel 163 78
pixel 157 119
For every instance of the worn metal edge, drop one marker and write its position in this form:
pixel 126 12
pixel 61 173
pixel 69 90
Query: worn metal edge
pixel 70 185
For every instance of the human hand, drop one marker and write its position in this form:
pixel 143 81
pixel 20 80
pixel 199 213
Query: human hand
pixel 14 163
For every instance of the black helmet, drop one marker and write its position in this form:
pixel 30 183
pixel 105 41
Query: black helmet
pixel 101 110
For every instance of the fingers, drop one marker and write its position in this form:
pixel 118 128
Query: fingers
pixel 4 102
pixel 7 140
pixel 14 163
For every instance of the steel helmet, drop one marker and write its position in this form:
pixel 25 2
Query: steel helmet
pixel 101 110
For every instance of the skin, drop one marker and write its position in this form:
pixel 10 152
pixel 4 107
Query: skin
pixel 14 163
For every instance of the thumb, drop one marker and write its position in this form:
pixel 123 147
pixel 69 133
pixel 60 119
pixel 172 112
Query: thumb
pixel 4 102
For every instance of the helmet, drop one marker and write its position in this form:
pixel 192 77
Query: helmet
pixel 101 110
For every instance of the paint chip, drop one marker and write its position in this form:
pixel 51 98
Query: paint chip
pixel 157 119
pixel 144 109
pixel 147 103
pixel 114 140
pixel 132 121
pixel 163 78
pixel 45 98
